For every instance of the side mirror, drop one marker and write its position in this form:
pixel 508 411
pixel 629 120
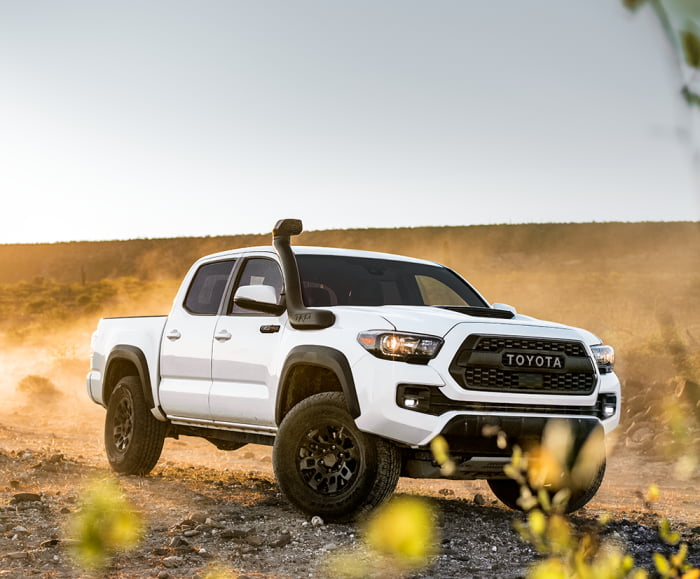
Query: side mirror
pixel 506 307
pixel 259 298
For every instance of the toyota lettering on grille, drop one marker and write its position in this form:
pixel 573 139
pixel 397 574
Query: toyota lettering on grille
pixel 525 360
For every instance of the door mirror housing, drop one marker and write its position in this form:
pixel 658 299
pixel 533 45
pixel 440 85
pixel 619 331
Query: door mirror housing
pixel 259 298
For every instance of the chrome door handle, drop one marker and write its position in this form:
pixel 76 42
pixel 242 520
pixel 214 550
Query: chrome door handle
pixel 173 335
pixel 223 336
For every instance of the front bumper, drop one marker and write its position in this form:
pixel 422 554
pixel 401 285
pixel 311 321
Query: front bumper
pixel 441 404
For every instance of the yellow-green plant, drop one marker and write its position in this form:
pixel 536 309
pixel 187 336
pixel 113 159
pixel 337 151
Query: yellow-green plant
pixel 404 530
pixel 105 524
pixel 398 538
pixel 675 566
pixel 217 571
pixel 567 555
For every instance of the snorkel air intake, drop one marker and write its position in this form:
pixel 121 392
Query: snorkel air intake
pixel 301 317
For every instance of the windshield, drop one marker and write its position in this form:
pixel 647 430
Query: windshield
pixel 334 280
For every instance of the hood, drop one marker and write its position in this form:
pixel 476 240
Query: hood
pixel 439 322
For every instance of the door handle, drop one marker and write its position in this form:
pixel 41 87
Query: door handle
pixel 269 329
pixel 223 336
pixel 173 335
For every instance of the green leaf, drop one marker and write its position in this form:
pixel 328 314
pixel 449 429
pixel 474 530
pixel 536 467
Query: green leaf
pixel 560 536
pixel 691 48
pixel 403 529
pixel 692 98
pixel 662 565
pixel 537 522
pixel 105 524
pixel 526 501
pixel 678 559
pixel 560 500
pixel 440 449
pixel 667 534
pixel 633 4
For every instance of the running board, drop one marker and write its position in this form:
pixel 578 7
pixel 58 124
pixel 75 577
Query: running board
pixel 241 433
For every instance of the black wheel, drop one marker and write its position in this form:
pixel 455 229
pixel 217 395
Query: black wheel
pixel 133 436
pixel 325 466
pixel 508 491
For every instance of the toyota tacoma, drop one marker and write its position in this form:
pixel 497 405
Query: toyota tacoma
pixel 349 363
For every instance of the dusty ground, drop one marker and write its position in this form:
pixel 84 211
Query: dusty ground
pixel 204 507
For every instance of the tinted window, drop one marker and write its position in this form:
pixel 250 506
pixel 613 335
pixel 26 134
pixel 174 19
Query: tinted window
pixel 207 288
pixel 260 271
pixel 329 280
pixel 436 293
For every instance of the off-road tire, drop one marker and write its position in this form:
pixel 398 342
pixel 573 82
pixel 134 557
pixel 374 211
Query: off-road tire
pixel 508 492
pixel 325 466
pixel 133 436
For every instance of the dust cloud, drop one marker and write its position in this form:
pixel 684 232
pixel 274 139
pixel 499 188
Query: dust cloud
pixel 45 385
pixel 632 284
pixel 44 356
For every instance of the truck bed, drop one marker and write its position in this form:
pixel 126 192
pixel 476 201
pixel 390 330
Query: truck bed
pixel 113 335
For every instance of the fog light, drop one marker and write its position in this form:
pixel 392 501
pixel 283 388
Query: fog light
pixel 609 405
pixel 411 402
pixel 413 398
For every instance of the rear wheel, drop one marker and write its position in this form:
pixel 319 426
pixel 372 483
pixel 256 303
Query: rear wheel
pixel 133 436
pixel 325 466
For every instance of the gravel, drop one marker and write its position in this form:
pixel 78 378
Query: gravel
pixel 199 519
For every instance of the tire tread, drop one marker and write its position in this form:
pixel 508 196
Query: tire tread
pixel 386 456
pixel 149 433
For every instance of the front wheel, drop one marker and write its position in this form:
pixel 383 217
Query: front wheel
pixel 325 466
pixel 508 491
pixel 133 436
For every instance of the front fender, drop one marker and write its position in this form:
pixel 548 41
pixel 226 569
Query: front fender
pixel 321 357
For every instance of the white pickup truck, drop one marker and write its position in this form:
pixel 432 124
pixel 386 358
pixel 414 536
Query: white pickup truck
pixel 349 363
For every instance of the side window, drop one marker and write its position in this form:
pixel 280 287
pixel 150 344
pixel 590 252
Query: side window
pixel 436 293
pixel 259 271
pixel 207 288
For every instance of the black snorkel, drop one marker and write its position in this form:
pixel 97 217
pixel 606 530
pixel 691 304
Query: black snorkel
pixel 300 317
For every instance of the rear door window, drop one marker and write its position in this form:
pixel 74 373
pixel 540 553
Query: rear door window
pixel 208 287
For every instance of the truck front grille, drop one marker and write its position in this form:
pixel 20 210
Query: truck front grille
pixel 523 365
pixel 499 343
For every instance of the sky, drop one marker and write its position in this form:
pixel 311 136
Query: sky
pixel 131 119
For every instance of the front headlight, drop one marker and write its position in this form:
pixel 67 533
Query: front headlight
pixel 604 357
pixel 399 346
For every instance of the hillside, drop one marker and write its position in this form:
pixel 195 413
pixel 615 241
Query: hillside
pixel 482 249
pixel 618 279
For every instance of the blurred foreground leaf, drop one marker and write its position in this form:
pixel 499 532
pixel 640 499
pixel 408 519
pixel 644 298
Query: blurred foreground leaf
pixel 107 523
pixel 653 493
pixel 441 452
pixel 633 4
pixel 691 48
pixel 403 529
pixel 399 538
